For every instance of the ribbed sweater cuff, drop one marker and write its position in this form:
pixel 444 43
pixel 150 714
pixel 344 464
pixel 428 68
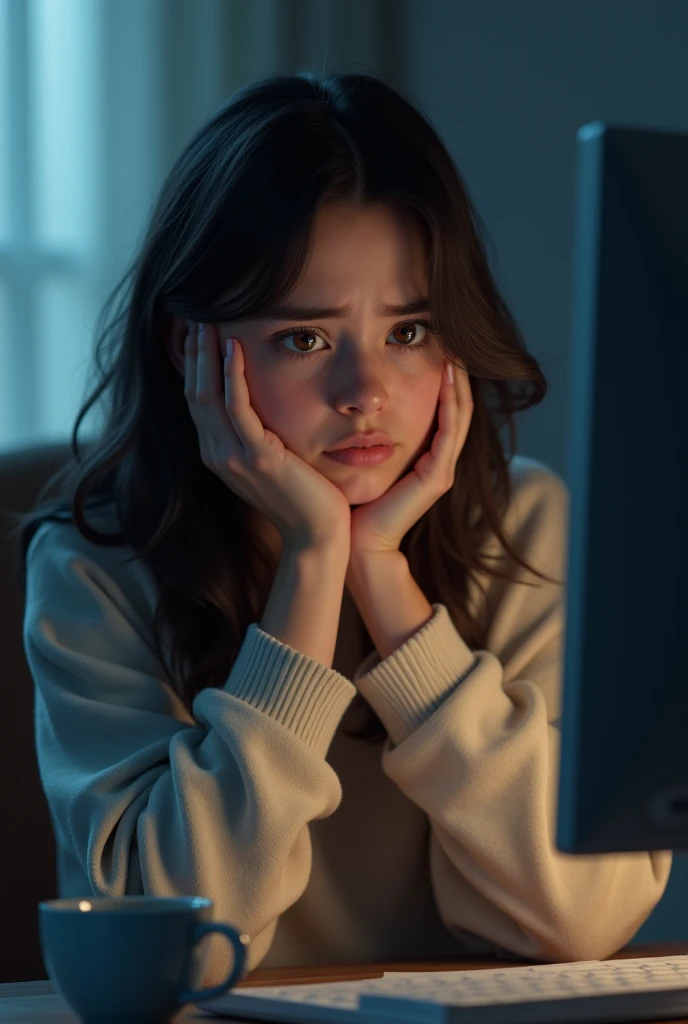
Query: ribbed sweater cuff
pixel 304 695
pixel 407 687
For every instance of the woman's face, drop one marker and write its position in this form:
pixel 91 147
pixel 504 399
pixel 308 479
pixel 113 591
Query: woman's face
pixel 364 370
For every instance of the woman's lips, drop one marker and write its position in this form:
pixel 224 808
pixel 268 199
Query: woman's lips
pixel 362 456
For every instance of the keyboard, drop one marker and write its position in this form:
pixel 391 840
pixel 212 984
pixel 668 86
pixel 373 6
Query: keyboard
pixel 643 989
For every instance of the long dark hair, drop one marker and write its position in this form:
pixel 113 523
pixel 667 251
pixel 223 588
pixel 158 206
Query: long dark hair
pixel 235 216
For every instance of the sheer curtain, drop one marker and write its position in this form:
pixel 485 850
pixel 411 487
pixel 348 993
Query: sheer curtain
pixel 97 97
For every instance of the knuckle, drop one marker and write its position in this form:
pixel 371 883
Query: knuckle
pixel 262 461
pixel 234 463
pixel 203 398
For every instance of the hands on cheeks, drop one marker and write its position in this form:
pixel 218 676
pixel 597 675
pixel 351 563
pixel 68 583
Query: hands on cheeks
pixel 380 525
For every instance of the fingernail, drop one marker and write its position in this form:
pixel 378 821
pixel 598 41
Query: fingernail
pixel 449 369
pixel 229 347
pixel 201 331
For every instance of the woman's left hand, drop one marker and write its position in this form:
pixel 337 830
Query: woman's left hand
pixel 380 525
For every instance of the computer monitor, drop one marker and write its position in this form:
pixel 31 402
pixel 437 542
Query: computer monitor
pixel 623 772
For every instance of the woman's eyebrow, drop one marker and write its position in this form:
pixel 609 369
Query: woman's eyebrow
pixel 288 311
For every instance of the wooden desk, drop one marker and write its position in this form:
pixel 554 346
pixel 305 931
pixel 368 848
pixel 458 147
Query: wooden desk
pixel 36 1001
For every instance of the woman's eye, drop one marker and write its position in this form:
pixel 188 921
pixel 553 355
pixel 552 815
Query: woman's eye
pixel 305 336
pixel 407 339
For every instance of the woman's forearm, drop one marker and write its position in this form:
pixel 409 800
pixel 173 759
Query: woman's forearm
pixel 390 602
pixel 305 602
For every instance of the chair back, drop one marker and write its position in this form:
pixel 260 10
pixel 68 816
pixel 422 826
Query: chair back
pixel 27 847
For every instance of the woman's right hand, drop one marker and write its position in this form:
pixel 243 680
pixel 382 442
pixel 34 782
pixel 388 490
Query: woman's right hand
pixel 307 509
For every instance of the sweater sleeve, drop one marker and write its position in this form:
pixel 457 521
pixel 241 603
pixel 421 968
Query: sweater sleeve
pixel 474 740
pixel 148 799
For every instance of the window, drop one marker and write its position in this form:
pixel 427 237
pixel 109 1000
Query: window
pixel 49 253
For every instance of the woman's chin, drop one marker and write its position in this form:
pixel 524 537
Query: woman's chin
pixel 361 492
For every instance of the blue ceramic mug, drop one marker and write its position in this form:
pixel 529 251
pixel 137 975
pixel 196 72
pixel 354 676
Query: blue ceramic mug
pixel 138 958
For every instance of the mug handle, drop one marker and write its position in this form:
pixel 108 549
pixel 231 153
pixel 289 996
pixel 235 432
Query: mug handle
pixel 240 944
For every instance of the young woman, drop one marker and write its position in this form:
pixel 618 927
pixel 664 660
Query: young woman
pixel 293 681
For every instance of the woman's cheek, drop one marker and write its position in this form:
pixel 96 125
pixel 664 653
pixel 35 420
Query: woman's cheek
pixel 276 412
pixel 259 389
pixel 424 400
